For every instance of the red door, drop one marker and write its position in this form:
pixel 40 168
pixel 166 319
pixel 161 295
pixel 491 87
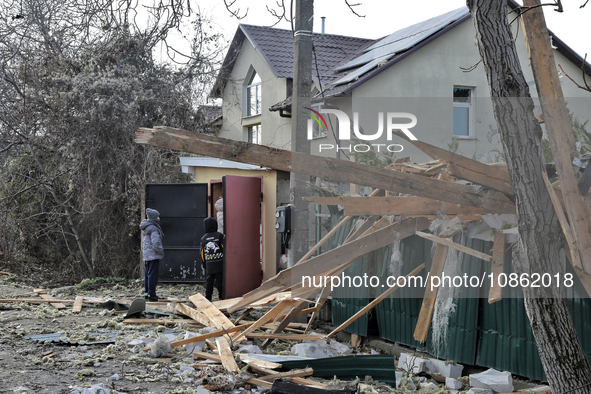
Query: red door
pixel 242 226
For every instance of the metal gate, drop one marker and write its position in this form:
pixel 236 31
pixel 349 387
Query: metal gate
pixel 182 207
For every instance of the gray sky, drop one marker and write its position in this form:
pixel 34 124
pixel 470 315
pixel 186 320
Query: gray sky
pixel 383 17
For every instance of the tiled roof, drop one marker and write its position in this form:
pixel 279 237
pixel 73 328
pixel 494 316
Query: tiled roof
pixel 276 47
pixel 342 53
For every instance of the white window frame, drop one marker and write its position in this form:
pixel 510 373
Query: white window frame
pixel 316 133
pixel 470 106
pixel 249 137
pixel 250 86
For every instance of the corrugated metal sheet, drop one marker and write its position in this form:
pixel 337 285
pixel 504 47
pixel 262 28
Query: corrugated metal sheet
pixel 462 330
pixel 397 315
pixel 346 301
pixel 495 335
pixel 380 367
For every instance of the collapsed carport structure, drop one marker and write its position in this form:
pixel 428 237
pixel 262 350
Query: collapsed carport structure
pixel 495 334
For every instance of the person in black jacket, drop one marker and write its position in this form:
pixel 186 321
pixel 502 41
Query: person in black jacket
pixel 212 256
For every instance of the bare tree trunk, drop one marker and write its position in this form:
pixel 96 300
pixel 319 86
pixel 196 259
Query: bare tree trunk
pixel 565 363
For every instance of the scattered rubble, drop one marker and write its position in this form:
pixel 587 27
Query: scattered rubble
pixel 186 356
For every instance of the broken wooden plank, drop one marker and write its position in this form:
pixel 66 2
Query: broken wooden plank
pixel 428 305
pixel 333 258
pixel 566 228
pixel 54 303
pixel 283 305
pixel 211 345
pixel 324 167
pixel 362 206
pixel 294 373
pixel 215 316
pixel 210 335
pixel 355 341
pixel 208 356
pixel 376 301
pixel 497 267
pixel 465 168
pixel 77 304
pixel 291 337
pixel 295 312
pixel 319 303
pixel 193 314
pixel 430 297
pixel 243 316
pixel 226 354
pixel 558 127
pixel 257 381
pixel 451 244
pixel 35 292
pixel 256 363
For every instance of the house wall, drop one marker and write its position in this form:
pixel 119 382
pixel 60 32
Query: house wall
pixel 422 84
pixel 276 131
pixel 269 258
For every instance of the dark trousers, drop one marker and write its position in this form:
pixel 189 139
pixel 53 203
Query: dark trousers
pixel 216 279
pixel 151 276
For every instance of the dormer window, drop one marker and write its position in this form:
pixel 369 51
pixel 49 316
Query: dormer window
pixel 253 95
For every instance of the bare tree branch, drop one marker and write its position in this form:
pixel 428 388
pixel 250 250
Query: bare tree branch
pixel 236 13
pixel 352 10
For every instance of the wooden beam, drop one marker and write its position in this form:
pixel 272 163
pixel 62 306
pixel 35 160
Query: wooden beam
pixel 209 335
pixel 294 373
pixel 279 308
pixel 55 303
pixel 566 228
pixel 258 363
pixel 77 308
pixel 465 168
pixel 204 306
pixel 290 337
pixel 497 267
pixel 207 356
pixel 333 258
pixel 558 127
pixel 319 303
pixel 451 244
pixel 295 312
pixel 430 297
pixel 193 314
pixel 376 301
pixel 327 168
pixel 362 206
pixel 226 355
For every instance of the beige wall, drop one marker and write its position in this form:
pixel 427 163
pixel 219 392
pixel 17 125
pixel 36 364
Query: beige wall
pixel 421 84
pixel 208 174
pixel 276 131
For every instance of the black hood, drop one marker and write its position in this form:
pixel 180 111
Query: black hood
pixel 210 225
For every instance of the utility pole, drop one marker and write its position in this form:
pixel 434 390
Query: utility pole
pixel 302 87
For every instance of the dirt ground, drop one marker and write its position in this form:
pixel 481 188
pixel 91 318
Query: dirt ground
pixel 26 369
pixel 49 366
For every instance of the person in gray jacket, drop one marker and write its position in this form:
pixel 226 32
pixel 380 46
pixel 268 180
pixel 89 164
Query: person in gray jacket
pixel 153 252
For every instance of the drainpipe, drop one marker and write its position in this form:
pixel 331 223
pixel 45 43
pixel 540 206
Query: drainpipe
pixel 323 20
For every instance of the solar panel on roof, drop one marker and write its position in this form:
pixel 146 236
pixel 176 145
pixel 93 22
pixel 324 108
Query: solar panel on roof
pixel 397 42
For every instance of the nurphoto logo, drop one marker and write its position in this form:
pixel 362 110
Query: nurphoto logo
pixel 344 130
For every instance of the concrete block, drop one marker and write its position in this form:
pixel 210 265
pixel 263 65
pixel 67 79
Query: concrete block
pixel 497 381
pixel 411 363
pixel 445 368
pixel 453 384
